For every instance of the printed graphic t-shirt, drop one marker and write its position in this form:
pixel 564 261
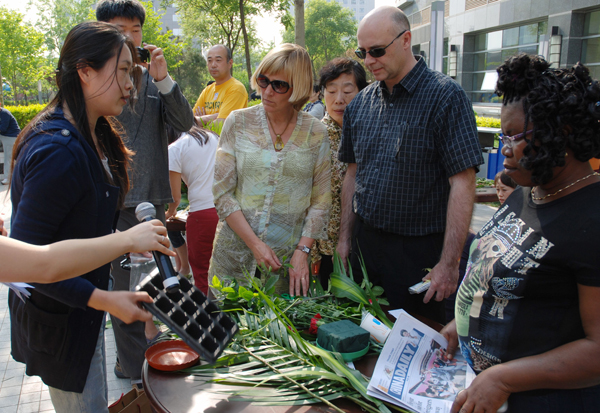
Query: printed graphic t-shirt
pixel 519 295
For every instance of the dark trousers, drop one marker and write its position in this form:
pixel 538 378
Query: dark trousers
pixel 130 339
pixel 396 262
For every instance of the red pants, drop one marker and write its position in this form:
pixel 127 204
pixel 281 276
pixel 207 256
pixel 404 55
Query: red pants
pixel 200 233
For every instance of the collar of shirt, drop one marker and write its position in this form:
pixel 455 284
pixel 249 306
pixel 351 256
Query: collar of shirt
pixel 408 83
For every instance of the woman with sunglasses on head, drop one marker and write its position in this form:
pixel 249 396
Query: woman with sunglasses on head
pixel 528 310
pixel 69 178
pixel 341 79
pixel 272 177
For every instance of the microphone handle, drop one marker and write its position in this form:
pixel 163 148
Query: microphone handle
pixel 165 267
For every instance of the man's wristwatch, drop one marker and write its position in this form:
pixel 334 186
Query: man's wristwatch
pixel 303 248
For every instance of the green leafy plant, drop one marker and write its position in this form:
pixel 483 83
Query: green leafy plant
pixel 343 285
pixel 270 352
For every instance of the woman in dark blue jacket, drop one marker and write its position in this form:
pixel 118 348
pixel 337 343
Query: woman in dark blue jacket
pixel 70 176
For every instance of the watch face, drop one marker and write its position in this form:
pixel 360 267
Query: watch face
pixel 304 248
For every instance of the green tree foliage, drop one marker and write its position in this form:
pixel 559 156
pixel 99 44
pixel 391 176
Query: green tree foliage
pixel 226 22
pixel 57 17
pixel 22 58
pixel 330 31
pixel 153 34
pixel 191 74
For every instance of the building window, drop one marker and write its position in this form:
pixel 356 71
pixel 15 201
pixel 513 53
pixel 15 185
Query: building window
pixel 590 47
pixel 177 32
pixel 445 57
pixel 361 10
pixel 353 2
pixel 493 48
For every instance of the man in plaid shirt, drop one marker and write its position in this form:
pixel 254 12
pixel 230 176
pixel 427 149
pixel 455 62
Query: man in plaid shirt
pixel 410 140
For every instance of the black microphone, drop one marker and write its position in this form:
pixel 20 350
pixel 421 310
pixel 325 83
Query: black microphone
pixel 146 212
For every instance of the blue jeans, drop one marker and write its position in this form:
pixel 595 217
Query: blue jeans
pixel 94 398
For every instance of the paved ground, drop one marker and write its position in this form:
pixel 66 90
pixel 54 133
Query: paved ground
pixel 21 393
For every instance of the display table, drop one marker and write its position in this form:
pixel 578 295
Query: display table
pixel 181 393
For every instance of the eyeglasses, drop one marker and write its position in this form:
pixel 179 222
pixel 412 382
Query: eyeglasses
pixel 279 86
pixel 376 52
pixel 509 141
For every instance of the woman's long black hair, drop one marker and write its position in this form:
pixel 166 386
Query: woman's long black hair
pixel 562 104
pixel 200 134
pixel 89 44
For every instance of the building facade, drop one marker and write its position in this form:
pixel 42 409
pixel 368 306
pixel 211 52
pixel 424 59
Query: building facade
pixel 359 7
pixel 478 35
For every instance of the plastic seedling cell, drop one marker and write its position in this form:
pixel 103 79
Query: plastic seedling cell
pixel 179 317
pixel 185 285
pixel 198 297
pixel 189 307
pixel 194 331
pixel 204 320
pixel 164 304
pixel 227 323
pixel 152 292
pixel 210 344
pixel 175 295
pixel 157 283
pixel 212 310
pixel 218 333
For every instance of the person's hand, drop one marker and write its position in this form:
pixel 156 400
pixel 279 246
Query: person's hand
pixel 200 111
pixel 157 68
pixel 263 254
pixel 299 274
pixel 125 305
pixel 206 119
pixel 343 249
pixel 149 236
pixel 487 393
pixel 450 334
pixel 444 279
pixel 172 211
pixel 3 231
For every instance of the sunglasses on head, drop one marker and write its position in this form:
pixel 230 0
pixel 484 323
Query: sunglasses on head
pixel 376 52
pixel 279 86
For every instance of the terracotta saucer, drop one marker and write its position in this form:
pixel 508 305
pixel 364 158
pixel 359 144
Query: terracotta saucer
pixel 171 355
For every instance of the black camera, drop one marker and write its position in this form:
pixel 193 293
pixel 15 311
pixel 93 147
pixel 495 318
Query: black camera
pixel 143 54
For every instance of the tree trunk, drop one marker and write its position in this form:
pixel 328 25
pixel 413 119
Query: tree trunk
pixel 299 17
pixel 246 45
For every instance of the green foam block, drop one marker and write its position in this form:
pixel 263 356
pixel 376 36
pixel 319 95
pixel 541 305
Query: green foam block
pixel 342 336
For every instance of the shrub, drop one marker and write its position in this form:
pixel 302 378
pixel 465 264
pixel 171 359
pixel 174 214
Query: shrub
pixel 24 114
pixel 487 122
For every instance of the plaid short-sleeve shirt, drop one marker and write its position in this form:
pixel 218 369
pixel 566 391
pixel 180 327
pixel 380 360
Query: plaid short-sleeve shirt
pixel 406 145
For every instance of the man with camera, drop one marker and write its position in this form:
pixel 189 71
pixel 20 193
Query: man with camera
pixel 159 102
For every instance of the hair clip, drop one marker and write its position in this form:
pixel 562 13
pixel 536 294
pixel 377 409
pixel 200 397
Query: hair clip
pixel 598 104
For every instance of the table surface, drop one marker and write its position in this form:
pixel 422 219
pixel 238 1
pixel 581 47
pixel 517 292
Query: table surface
pixel 177 392
pixel 181 393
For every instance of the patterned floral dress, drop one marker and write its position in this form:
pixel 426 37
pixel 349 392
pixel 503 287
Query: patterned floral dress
pixel 283 195
pixel 338 172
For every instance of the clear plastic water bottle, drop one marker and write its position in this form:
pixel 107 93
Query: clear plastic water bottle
pixel 141 267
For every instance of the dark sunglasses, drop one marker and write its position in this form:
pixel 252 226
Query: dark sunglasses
pixel 376 52
pixel 279 86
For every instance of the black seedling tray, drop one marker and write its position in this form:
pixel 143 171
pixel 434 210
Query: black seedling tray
pixel 198 321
